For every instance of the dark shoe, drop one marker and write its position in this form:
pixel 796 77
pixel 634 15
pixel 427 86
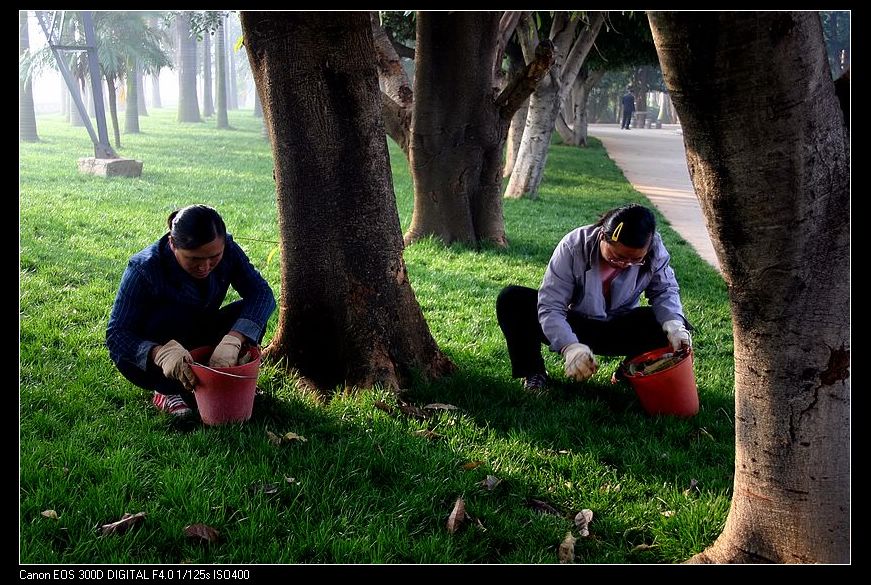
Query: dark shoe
pixel 535 383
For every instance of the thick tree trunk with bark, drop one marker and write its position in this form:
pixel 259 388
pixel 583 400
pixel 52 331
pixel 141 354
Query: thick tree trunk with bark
pixel 131 112
pixel 221 75
pixel 188 104
pixel 516 64
pixel 26 112
pixel 208 103
pixel 458 129
pixel 75 116
pixel 546 100
pixel 348 315
pixel 397 97
pixel 768 154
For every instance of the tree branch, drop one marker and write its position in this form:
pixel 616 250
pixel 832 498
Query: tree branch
pixel 397 122
pixel 401 50
pixel 507 24
pixel 527 36
pixel 522 85
pixel 581 49
pixel 390 71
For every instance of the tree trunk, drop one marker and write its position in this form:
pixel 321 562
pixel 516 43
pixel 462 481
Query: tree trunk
pixel 348 315
pixel 155 91
pixel 221 76
pixel 64 99
pixel 545 102
pixel 75 116
pixel 188 104
pixel 458 130
pixel 131 113
pixel 140 90
pixel 208 104
pixel 571 123
pixel 26 111
pixel 258 109
pixel 768 154
pixel 113 109
pixel 398 97
pixel 518 120
pixel 230 66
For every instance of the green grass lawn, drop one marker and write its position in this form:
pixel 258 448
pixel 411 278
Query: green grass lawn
pixel 364 488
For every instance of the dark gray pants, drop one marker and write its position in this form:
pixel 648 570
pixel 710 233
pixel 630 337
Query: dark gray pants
pixel 630 334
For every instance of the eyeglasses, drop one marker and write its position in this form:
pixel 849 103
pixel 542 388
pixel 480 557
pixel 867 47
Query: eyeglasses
pixel 618 260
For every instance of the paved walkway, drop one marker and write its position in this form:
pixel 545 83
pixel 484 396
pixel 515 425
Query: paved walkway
pixel 654 161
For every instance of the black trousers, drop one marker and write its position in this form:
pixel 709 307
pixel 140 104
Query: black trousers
pixel 191 331
pixel 630 334
pixel 627 119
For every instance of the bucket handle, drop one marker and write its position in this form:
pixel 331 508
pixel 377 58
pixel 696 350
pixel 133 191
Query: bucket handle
pixel 224 373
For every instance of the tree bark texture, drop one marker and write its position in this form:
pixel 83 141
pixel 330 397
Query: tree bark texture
pixel 26 112
pixel 155 91
pixel 397 97
pixel 458 129
pixel 571 123
pixel 230 66
pixel 140 91
pixel 188 104
pixel 347 312
pixel 221 76
pixel 113 108
pixel 208 103
pixel 131 112
pixel 518 120
pixel 768 154
pixel 544 105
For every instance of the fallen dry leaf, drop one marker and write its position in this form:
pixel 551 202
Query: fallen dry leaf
pixel 381 405
pixel 49 514
pixel 273 438
pixel 668 513
pixel 426 433
pixel 440 406
pixel 542 507
pixel 121 526
pixel 642 547
pixel 457 517
pixel 582 521
pixel 413 411
pixel 472 465
pixel 288 437
pixel 567 549
pixel 290 480
pixel 201 531
pixel 490 482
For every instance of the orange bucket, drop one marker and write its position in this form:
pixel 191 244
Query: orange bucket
pixel 671 390
pixel 224 395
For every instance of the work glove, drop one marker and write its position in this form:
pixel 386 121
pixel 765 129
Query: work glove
pixel 678 336
pixel 580 361
pixel 175 361
pixel 227 353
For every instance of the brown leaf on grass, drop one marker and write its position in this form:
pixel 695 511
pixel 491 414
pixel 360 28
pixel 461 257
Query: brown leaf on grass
pixel 471 465
pixel 427 434
pixel 412 411
pixel 288 437
pixel 273 438
pixel 440 406
pixel 490 482
pixel 582 521
pixel 49 514
pixel 457 517
pixel 381 405
pixel 668 513
pixel 121 526
pixel 642 547
pixel 202 531
pixel 542 507
pixel 567 549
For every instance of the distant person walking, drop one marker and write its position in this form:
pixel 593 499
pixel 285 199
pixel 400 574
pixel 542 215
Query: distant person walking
pixel 628 108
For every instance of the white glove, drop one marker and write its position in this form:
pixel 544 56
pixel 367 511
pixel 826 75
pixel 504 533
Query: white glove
pixel 580 361
pixel 678 336
pixel 227 353
pixel 174 360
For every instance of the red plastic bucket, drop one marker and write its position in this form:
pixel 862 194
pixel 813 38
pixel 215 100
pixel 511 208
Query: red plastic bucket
pixel 224 395
pixel 668 391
